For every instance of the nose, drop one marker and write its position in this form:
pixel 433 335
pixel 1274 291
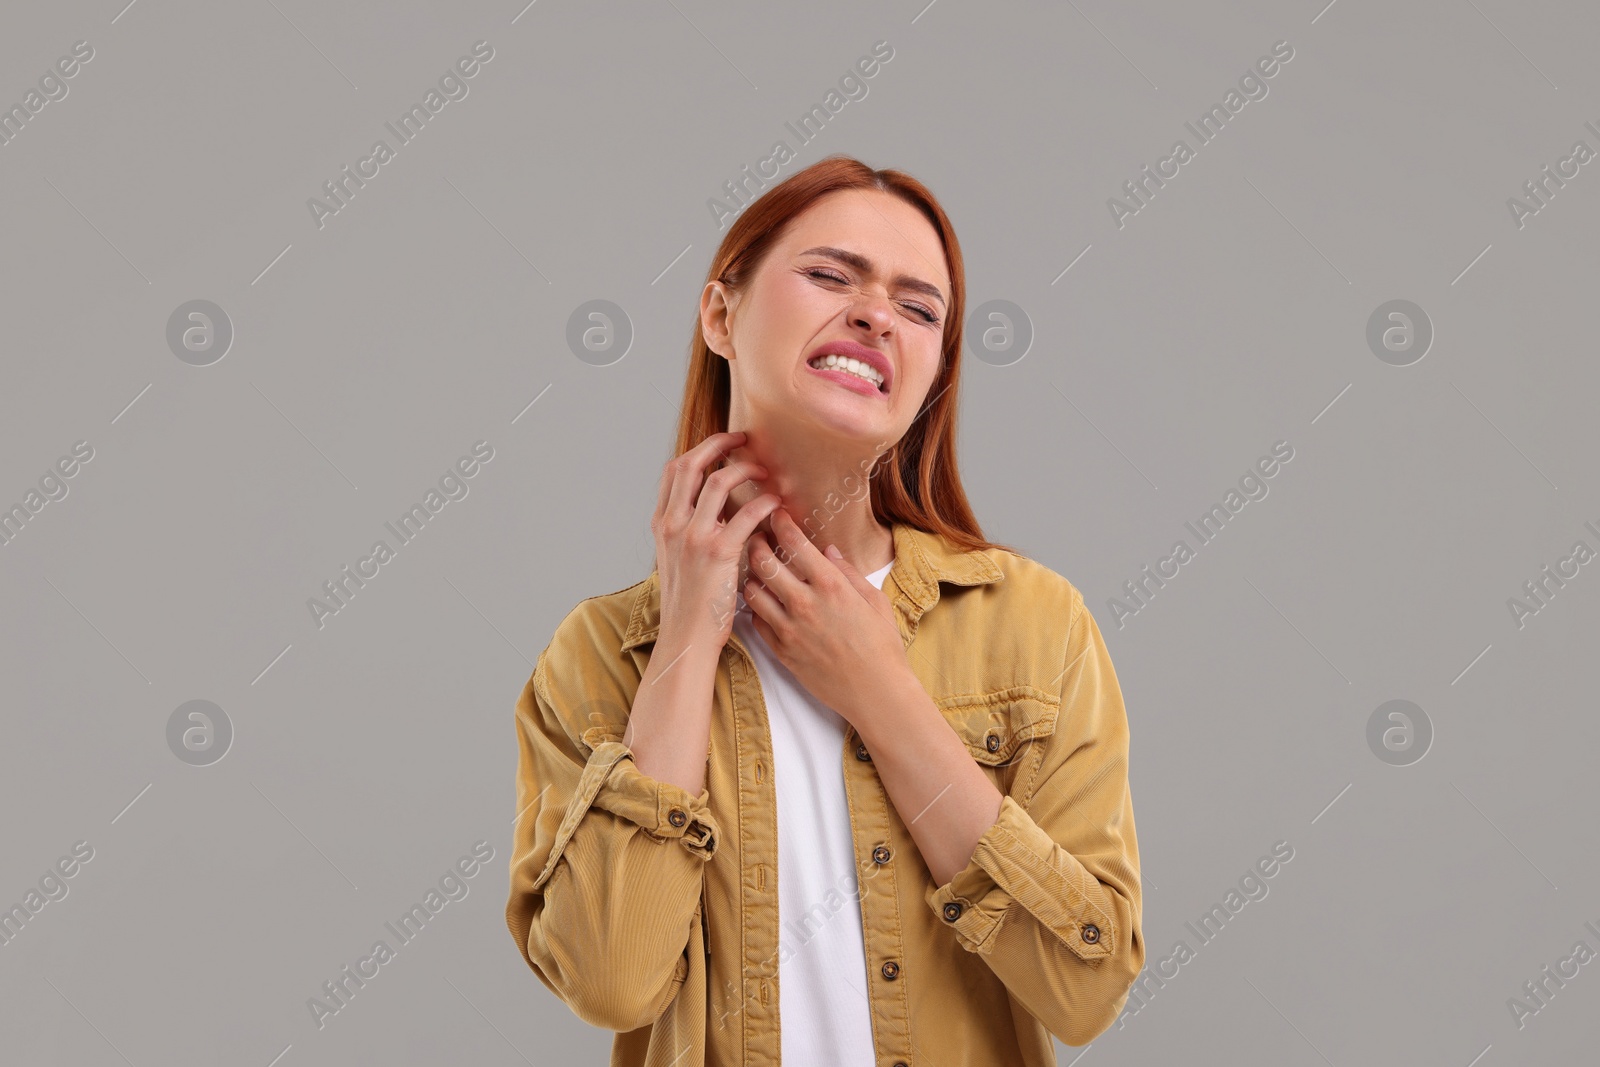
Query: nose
pixel 872 313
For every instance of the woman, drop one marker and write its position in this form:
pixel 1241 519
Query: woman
pixel 838 761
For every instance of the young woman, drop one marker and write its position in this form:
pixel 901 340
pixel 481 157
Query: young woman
pixel 841 782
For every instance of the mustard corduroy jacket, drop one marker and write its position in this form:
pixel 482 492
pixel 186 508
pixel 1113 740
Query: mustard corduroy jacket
pixel 654 913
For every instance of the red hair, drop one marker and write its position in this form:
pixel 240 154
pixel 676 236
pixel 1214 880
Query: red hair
pixel 916 482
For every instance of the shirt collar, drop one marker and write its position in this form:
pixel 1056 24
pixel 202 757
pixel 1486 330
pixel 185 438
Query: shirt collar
pixel 922 560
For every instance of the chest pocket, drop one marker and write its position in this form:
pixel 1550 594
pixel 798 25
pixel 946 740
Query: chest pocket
pixel 1000 728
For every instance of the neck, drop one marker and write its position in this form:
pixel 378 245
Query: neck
pixel 827 494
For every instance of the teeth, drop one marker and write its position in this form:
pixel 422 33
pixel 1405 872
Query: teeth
pixel 831 361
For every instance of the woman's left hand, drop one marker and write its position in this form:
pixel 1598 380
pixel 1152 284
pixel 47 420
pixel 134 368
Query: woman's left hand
pixel 834 630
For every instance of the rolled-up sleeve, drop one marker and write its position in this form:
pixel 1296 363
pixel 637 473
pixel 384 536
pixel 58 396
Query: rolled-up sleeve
pixel 607 867
pixel 1051 897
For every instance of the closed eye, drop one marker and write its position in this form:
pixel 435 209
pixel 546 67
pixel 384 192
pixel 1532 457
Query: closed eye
pixel 927 314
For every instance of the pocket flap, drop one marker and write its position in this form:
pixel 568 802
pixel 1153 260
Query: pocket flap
pixel 997 727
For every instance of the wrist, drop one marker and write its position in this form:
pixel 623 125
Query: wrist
pixel 690 652
pixel 895 704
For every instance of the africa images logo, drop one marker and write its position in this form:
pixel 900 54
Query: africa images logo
pixel 1252 85
pixel 452 85
pixel 453 885
pixel 1140 591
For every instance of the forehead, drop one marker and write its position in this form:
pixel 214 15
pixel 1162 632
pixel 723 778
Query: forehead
pixel 893 234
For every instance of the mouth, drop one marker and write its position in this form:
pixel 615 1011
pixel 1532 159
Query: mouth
pixel 855 366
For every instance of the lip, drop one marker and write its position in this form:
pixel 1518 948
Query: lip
pixel 854 350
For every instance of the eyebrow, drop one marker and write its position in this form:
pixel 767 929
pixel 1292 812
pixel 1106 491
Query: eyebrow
pixel 863 264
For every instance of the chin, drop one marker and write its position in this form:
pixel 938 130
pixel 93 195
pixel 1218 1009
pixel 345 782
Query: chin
pixel 849 427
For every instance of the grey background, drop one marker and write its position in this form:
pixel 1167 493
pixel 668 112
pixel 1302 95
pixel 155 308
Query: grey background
pixel 368 355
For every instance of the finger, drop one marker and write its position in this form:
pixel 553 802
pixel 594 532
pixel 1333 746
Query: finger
pixel 664 492
pixel 764 628
pixel 799 554
pixel 708 507
pixel 765 564
pixel 858 581
pixel 684 474
pixel 745 520
pixel 834 556
pixel 762 603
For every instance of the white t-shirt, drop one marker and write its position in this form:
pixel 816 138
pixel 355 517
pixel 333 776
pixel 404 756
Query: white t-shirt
pixel 823 1014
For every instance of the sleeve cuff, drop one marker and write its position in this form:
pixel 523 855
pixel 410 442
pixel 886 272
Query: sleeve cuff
pixel 662 809
pixel 1013 864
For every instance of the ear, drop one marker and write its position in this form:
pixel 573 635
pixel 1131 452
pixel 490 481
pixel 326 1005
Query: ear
pixel 717 304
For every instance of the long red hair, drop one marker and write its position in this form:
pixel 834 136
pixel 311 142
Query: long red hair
pixel 917 481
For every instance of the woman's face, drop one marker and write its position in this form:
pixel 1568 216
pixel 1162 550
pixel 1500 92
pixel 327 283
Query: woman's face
pixel 861 271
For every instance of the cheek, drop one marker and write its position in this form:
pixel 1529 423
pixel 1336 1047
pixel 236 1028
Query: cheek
pixel 927 372
pixel 791 296
pixel 791 314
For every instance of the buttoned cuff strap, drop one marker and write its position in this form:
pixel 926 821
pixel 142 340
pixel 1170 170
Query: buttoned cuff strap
pixel 662 809
pixel 1014 863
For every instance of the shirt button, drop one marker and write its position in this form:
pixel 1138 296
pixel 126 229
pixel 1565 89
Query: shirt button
pixel 880 854
pixel 1091 933
pixel 677 817
pixel 891 970
pixel 861 752
pixel 952 912
pixel 992 742
pixel 899 1063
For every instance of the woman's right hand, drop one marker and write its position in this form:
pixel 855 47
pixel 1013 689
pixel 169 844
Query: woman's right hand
pixel 697 554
